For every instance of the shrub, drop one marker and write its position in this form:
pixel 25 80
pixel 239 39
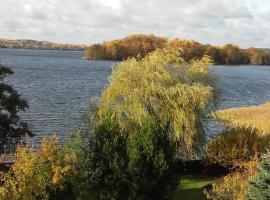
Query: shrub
pixel 237 148
pixel 123 166
pixel 39 175
pixel 112 165
pixel 231 187
pixel 259 188
pixel 108 163
pixel 77 146
pixel 151 163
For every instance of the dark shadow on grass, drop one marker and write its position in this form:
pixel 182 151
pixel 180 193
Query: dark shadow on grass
pixel 191 188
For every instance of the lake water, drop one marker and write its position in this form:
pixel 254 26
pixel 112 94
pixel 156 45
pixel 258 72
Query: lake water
pixel 59 84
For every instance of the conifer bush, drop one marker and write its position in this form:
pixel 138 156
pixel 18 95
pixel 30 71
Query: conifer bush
pixel 139 166
pixel 151 163
pixel 107 167
pixel 259 188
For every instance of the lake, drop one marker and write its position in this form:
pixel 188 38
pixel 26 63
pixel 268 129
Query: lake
pixel 59 85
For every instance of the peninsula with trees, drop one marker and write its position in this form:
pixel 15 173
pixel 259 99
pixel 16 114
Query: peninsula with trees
pixel 140 45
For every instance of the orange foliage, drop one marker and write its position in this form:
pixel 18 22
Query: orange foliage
pixel 141 45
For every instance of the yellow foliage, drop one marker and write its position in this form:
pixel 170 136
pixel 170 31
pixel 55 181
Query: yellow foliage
pixel 238 148
pixel 163 85
pixel 254 117
pixel 231 187
pixel 35 171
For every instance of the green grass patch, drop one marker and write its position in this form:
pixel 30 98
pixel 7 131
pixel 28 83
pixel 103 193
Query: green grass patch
pixel 190 188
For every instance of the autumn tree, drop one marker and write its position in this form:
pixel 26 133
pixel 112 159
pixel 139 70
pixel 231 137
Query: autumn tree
pixel 232 53
pixel 164 86
pixel 95 52
pixel 130 46
pixel 214 53
pixel 190 48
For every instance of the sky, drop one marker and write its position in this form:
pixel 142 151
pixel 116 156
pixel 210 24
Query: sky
pixel 242 22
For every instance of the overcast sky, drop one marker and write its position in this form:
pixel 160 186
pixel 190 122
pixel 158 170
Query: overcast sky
pixel 243 22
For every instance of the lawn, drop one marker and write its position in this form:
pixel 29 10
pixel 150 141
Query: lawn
pixel 190 188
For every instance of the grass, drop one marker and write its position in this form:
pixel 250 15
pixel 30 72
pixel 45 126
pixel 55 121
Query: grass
pixel 190 188
pixel 254 117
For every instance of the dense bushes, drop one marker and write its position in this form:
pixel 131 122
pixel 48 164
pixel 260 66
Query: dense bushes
pixel 139 166
pixel 241 148
pixel 231 187
pixel 244 185
pixel 151 163
pixel 107 168
pixel 39 175
pixel 112 165
pixel 238 148
pixel 140 44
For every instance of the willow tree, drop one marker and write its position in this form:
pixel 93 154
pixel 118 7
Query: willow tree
pixel 164 86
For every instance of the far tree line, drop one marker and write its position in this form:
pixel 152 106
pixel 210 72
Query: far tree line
pixel 44 45
pixel 140 45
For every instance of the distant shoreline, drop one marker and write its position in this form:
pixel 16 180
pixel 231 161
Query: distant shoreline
pixel 40 45
pixel 43 49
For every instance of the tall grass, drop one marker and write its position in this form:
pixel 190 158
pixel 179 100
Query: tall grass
pixel 256 118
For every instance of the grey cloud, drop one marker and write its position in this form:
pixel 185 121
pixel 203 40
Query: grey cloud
pixel 90 21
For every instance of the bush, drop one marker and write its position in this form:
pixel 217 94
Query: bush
pixel 259 188
pixel 237 148
pixel 231 187
pixel 112 165
pixel 138 166
pixel 77 146
pixel 151 163
pixel 39 175
pixel 108 163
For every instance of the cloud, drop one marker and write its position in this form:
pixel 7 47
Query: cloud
pixel 243 22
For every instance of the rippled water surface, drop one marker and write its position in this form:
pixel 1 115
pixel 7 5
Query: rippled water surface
pixel 59 84
pixel 241 86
